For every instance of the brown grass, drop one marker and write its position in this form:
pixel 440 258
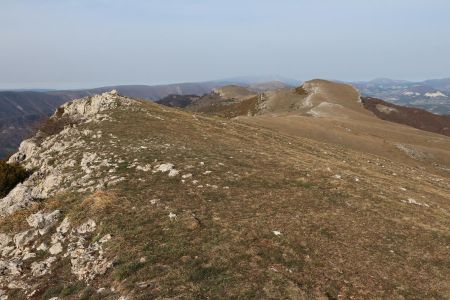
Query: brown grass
pixel 100 200
pixel 340 238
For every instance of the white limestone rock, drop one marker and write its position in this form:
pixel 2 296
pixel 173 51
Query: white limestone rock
pixel 5 240
pixel 88 226
pixel 42 247
pixel 43 267
pixel 12 267
pixel 18 198
pixel 26 149
pixel 55 249
pixel 43 221
pixel 24 238
pixel 39 152
pixel 91 107
pixel 64 226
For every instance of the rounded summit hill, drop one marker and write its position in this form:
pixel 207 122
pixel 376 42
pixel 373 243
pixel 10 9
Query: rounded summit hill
pixel 233 92
pixel 333 112
pixel 318 98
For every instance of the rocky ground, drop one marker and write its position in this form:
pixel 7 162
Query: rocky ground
pixel 134 200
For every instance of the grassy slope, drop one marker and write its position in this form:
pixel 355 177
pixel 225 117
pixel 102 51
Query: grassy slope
pixel 338 236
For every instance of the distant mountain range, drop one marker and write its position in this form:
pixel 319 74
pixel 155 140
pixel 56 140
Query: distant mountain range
pixel 20 110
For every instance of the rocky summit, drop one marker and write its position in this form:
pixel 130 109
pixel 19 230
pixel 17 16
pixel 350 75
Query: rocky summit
pixel 303 194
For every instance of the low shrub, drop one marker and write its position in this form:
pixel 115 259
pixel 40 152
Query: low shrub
pixel 52 125
pixel 10 176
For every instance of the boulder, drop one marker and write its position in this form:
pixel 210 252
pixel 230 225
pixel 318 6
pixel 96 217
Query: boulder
pixel 43 221
pixel 64 226
pixel 5 240
pixel 55 249
pixel 24 238
pixel 88 226
pixel 43 267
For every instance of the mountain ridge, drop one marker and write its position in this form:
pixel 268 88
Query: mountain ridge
pixel 133 199
pixel 14 125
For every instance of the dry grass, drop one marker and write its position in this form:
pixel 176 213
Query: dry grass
pixel 339 237
pixel 100 200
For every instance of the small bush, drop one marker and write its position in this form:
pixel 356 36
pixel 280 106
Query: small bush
pixel 301 91
pixel 53 125
pixel 10 176
pixel 52 291
pixel 127 270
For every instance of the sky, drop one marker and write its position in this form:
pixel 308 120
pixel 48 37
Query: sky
pixel 91 43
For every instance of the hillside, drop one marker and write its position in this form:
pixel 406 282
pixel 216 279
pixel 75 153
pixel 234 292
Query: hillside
pixel 178 100
pixel 228 101
pixel 333 113
pixel 20 111
pixel 141 201
pixel 414 117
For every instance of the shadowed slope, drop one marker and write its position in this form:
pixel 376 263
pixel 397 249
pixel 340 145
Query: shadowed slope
pixel 414 117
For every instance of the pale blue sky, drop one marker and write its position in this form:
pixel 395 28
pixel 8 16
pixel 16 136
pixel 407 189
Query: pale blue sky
pixel 88 43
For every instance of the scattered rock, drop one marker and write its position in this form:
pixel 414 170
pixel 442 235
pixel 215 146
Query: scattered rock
pixel 42 247
pixel 43 221
pixel 5 240
pixel 86 227
pixel 28 255
pixel 88 262
pixel 163 168
pixel 64 226
pixel 173 173
pixel 413 201
pixel 43 267
pixel 24 238
pixel 55 249
pixel 105 239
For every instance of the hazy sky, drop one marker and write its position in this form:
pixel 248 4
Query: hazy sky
pixel 88 43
